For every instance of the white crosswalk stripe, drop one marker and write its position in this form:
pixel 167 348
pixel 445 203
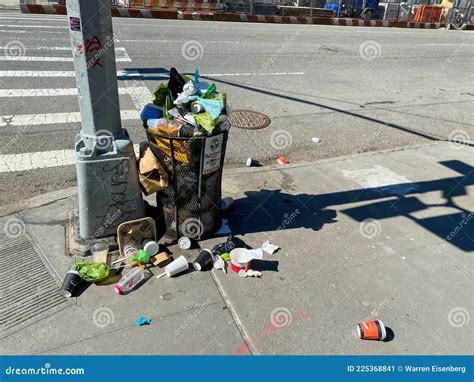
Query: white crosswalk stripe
pixel 50 59
pixel 53 118
pixel 6 93
pixel 20 126
pixel 59 48
pixel 32 26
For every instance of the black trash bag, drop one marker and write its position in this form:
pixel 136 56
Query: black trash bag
pixel 176 83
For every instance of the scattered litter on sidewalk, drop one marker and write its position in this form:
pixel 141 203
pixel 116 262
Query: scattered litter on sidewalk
pixel 175 267
pixel 71 281
pixel 252 162
pixel 249 273
pixel 282 160
pixel 270 248
pixel 99 253
pixel 204 258
pixel 142 320
pixel 162 259
pixel 372 330
pixel 129 281
pixel 184 243
pixel 241 258
pixel 91 272
pixel 316 140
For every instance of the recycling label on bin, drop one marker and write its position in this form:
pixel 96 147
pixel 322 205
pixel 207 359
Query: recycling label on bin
pixel 212 154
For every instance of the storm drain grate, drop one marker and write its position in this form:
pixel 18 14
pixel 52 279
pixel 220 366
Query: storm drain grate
pixel 28 292
pixel 248 119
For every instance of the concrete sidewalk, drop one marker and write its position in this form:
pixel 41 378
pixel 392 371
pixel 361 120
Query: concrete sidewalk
pixel 387 235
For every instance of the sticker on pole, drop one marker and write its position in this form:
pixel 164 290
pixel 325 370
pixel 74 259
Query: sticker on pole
pixel 212 154
pixel 75 24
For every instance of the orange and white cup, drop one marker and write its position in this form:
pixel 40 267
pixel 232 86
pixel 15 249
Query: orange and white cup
pixel 372 330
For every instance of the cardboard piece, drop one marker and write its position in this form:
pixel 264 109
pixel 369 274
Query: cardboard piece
pixel 153 176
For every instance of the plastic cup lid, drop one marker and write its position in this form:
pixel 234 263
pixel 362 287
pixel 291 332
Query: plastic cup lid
pixel 151 247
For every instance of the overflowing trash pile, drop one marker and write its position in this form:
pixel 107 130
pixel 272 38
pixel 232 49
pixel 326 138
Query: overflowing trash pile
pixel 186 126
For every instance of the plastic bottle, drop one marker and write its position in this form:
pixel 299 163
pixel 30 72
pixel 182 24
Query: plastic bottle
pixel 129 251
pixel 129 281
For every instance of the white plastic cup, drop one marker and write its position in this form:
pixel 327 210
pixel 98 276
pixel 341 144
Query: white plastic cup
pixel 177 266
pixel 99 253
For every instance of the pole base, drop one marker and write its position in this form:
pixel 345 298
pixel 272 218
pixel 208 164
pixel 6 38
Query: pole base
pixel 77 246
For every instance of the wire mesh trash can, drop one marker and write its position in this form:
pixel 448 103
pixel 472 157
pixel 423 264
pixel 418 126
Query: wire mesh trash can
pixel 191 202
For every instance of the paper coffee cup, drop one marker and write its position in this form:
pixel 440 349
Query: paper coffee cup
pixel 371 330
pixel 204 258
pixel 177 266
pixel 251 162
pixel 71 281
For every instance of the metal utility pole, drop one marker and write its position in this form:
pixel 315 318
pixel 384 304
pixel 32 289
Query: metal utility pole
pixel 108 187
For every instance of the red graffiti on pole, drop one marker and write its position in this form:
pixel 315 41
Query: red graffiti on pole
pixel 92 45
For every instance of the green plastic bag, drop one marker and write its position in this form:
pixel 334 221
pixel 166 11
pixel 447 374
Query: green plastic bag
pixel 92 272
pixel 160 94
pixel 206 121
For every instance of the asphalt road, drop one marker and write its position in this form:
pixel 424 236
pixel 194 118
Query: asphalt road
pixel 356 89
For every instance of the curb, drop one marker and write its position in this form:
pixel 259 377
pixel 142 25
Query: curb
pixel 174 14
pixel 38 201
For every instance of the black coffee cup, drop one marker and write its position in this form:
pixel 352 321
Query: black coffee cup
pixel 204 258
pixel 71 281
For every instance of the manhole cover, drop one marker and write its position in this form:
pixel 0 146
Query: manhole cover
pixel 249 119
pixel 29 292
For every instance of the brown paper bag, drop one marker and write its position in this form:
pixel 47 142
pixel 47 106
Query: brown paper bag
pixel 153 176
